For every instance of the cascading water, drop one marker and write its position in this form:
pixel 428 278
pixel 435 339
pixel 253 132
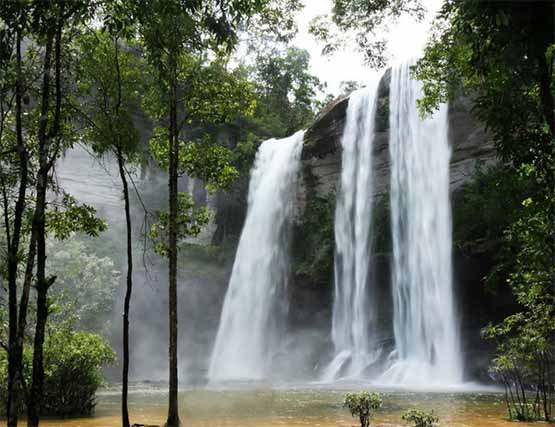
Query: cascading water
pixel 425 325
pixel 254 306
pixel 353 321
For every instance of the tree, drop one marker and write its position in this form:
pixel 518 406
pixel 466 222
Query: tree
pixel 172 33
pixel 14 16
pixel 362 405
pixel 110 73
pixel 364 19
pixel 41 135
pixel 52 22
pixel 286 91
pixel 199 156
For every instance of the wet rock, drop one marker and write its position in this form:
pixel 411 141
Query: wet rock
pixel 471 146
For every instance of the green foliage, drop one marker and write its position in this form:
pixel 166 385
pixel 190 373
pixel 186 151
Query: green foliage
pixel 70 217
pixel 286 91
pixel 72 363
pixel 420 418
pixel 110 85
pixel 525 356
pixel 363 405
pixel 190 220
pixel 365 19
pixel 244 153
pixel 486 206
pixel 86 283
pixel 203 159
pixel 72 371
pixel 497 52
pixel 211 94
pixel 314 240
pixel 211 163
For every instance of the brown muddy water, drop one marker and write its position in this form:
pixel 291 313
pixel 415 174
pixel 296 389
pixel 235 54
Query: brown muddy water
pixel 291 407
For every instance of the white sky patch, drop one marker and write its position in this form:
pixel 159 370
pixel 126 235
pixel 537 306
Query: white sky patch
pixel 406 39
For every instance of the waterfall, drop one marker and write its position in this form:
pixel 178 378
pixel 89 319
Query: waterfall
pixel 425 325
pixel 353 323
pixel 254 307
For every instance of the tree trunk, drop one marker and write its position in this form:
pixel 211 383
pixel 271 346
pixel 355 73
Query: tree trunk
pixel 32 403
pixel 46 161
pixel 15 352
pixel 173 412
pixel 128 291
pixel 35 397
pixel 42 286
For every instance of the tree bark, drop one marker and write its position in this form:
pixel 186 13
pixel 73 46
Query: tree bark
pixel 46 161
pixel 128 291
pixel 129 231
pixel 173 411
pixel 15 352
pixel 38 216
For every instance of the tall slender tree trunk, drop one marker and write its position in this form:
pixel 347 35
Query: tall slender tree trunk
pixel 38 231
pixel 15 352
pixel 32 402
pixel 128 291
pixel 173 411
pixel 47 156
pixel 129 231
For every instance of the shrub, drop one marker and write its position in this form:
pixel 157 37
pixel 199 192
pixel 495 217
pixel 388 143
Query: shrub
pixel 72 363
pixel 362 405
pixel 420 418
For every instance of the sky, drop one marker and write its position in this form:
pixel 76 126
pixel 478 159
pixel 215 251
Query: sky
pixel 406 39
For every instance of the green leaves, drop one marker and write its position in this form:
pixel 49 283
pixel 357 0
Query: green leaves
pixel 363 19
pixel 286 91
pixel 525 340
pixel 202 159
pixel 110 83
pixel 86 283
pixel 362 405
pixel 190 220
pixel 72 366
pixel 69 217
pixel 420 418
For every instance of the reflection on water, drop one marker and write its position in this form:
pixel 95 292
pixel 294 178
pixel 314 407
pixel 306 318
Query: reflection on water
pixel 293 407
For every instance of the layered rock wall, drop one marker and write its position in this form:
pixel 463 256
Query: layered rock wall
pixel 471 146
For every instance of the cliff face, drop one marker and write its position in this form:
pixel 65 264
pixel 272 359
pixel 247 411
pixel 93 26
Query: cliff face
pixel 469 141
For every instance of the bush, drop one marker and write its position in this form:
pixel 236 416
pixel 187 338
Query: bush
pixel 420 418
pixel 362 405
pixel 72 363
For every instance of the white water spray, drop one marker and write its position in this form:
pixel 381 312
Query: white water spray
pixel 254 305
pixel 425 325
pixel 353 318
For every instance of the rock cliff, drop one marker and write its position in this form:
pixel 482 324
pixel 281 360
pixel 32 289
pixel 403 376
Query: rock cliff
pixel 469 141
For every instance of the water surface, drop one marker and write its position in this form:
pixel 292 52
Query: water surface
pixel 315 406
